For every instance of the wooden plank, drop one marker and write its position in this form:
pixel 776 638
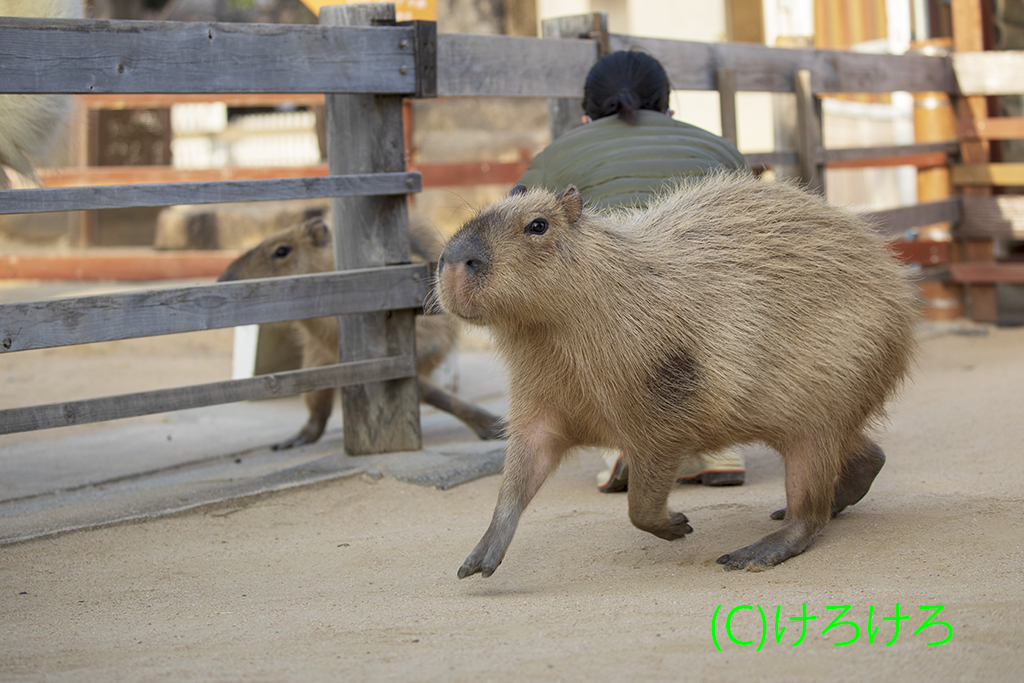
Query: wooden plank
pixel 976 272
pixel 923 253
pixel 120 265
pixel 365 134
pixel 166 100
pixel 692 66
pixel 432 175
pixel 1000 217
pixel 98 56
pixel 725 81
pixel 920 161
pixel 106 317
pixel 931 153
pixel 197 396
pixel 1002 128
pixel 82 176
pixel 995 72
pixel 809 136
pixel 512 66
pixel 984 175
pixel 167 194
pixel 895 222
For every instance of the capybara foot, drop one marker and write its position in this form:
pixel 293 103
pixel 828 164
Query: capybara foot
pixel 771 550
pixel 305 436
pixel 483 560
pixel 675 526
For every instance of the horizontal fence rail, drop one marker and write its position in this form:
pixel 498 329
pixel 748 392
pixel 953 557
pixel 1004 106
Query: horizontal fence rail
pixel 210 192
pixel 201 395
pixel 87 319
pixel 693 66
pixel 893 223
pixel 99 56
pixel 511 66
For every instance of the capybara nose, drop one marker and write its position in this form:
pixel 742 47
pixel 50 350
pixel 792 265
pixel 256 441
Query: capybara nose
pixel 465 253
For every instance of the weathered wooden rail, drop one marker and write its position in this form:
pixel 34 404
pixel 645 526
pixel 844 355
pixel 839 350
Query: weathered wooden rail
pixel 365 71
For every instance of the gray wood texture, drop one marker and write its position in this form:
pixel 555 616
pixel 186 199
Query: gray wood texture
pixel 996 72
pixel 809 135
pixel 82 320
pixel 166 194
pixel 894 222
pixel 511 66
pixel 885 152
pixel 987 217
pixel 365 135
pixel 97 56
pixel 725 81
pixel 566 112
pixel 201 395
pixel 692 66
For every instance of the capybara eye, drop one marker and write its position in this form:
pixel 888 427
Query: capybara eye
pixel 538 227
pixel 282 251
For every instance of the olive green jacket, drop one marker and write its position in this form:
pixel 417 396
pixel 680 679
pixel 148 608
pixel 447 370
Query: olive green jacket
pixel 613 163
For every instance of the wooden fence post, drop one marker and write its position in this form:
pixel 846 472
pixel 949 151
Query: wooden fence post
pixel 808 124
pixel 365 135
pixel 725 82
pixel 968 36
pixel 566 113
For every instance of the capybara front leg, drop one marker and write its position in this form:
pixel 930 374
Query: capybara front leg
pixel 319 403
pixel 530 458
pixel 810 476
pixel 863 464
pixel 649 486
pixel 483 423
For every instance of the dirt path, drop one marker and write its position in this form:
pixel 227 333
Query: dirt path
pixel 355 580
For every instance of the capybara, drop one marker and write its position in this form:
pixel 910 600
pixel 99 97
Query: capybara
pixel 306 248
pixel 731 311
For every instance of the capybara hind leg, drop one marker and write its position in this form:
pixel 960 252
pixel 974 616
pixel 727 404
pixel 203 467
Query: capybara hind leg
pixel 860 469
pixel 483 423
pixel 531 456
pixel 649 486
pixel 319 403
pixel 810 475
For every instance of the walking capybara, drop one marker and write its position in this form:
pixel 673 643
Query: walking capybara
pixel 731 311
pixel 306 248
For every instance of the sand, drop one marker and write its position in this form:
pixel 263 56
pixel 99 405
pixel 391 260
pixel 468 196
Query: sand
pixel 355 579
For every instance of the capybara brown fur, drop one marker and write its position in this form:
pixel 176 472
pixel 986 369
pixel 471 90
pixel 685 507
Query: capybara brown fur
pixel 306 248
pixel 731 311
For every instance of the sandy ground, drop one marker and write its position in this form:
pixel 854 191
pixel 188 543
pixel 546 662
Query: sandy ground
pixel 355 579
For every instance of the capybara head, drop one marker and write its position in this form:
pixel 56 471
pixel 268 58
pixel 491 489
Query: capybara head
pixel 486 270
pixel 302 248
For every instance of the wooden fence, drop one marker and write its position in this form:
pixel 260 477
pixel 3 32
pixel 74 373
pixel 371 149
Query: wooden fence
pixel 366 68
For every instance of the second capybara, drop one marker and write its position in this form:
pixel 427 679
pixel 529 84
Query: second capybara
pixel 731 311
pixel 306 248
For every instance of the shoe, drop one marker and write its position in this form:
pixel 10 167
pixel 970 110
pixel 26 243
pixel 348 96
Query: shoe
pixel 615 479
pixel 721 468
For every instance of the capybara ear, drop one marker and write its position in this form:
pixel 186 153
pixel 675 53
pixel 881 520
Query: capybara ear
pixel 572 202
pixel 517 190
pixel 319 233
